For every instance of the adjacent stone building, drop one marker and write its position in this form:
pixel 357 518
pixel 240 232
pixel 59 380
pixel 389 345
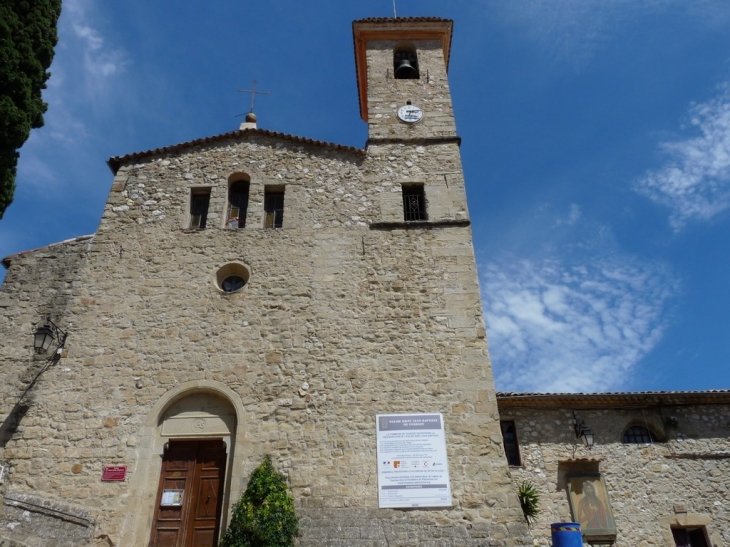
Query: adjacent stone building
pixel 659 465
pixel 259 293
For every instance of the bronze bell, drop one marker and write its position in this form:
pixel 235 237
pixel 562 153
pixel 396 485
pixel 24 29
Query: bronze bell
pixel 405 70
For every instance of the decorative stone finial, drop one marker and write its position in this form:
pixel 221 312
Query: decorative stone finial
pixel 249 121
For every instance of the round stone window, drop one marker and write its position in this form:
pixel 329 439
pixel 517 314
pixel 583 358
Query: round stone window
pixel 232 283
pixel 231 277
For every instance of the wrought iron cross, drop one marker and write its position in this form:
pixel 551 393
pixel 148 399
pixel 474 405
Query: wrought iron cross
pixel 253 93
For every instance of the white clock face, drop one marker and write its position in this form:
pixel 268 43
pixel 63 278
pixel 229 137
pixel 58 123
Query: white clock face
pixel 410 113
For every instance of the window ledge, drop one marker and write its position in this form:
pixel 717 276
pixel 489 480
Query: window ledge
pixel 420 224
pixel 414 140
pixel 699 456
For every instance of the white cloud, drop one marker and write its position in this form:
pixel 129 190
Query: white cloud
pixel 695 181
pixel 574 214
pixel 84 74
pixel 575 29
pixel 81 75
pixel 82 39
pixel 558 328
pixel 37 174
pixel 98 59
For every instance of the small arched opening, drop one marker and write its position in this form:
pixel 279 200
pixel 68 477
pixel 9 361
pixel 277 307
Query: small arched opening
pixel 238 190
pixel 638 434
pixel 405 62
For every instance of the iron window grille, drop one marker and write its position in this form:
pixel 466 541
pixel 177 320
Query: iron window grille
pixel 414 203
pixel 638 435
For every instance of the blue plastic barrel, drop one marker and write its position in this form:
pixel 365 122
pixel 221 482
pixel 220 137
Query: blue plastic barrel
pixel 566 534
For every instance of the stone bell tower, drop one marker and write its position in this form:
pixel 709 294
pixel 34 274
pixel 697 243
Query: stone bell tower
pixel 404 97
pixel 401 63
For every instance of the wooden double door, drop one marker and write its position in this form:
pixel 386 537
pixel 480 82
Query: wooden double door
pixel 190 495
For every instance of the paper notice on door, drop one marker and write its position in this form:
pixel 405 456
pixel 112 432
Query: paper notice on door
pixel 172 498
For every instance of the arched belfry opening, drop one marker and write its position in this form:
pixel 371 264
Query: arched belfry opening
pixel 405 61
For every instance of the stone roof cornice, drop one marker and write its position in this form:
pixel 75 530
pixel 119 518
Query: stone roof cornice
pixel 8 259
pixel 611 400
pixel 115 162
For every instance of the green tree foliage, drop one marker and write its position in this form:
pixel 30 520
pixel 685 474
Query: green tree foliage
pixel 264 516
pixel 529 501
pixel 27 38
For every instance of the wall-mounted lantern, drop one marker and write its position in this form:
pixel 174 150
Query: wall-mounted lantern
pixel 583 432
pixel 46 334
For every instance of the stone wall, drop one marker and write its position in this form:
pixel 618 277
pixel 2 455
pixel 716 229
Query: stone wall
pixel 430 92
pixel 681 479
pixel 363 527
pixel 38 285
pixel 43 523
pixel 372 320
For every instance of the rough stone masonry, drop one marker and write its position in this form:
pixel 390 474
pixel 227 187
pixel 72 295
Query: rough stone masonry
pixel 348 311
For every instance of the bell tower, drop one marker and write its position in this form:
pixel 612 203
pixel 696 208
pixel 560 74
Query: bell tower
pixel 402 79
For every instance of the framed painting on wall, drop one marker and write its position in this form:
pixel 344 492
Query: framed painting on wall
pixel 590 505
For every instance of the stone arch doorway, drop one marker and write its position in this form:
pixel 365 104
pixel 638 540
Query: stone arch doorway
pixel 193 433
pixel 189 501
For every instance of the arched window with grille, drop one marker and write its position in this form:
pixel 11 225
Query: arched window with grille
pixel 637 434
pixel 237 203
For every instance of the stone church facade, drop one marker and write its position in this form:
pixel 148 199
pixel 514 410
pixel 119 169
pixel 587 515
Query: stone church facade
pixel 259 293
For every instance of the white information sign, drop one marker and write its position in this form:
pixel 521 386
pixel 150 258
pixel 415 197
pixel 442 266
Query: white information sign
pixel 412 467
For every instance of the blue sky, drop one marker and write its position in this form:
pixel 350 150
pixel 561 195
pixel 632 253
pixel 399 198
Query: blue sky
pixel 596 148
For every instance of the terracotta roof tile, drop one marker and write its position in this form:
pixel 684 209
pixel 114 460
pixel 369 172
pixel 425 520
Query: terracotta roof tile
pixel 116 162
pixel 612 399
pixel 404 20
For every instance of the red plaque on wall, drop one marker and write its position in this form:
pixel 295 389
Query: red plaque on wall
pixel 114 473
